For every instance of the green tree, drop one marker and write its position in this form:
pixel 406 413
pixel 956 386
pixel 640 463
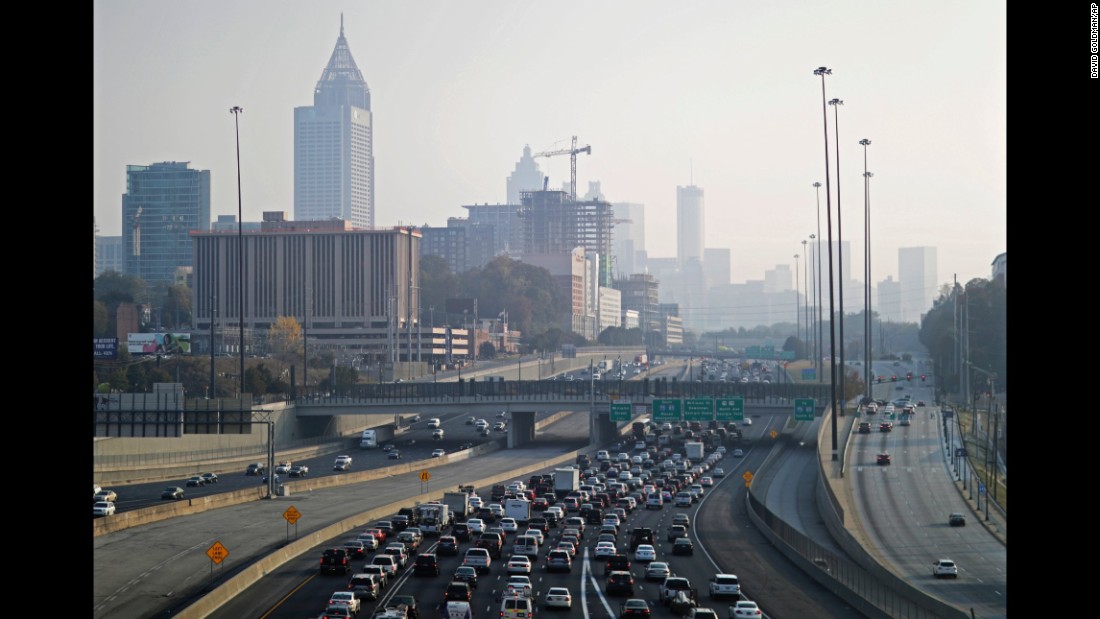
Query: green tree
pixel 100 320
pixel 486 351
pixel 112 287
pixel 175 304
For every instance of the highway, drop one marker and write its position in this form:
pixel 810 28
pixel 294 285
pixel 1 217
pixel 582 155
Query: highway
pixel 903 509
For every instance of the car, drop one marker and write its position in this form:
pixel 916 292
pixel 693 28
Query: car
pixel 426 565
pixel 604 550
pixel 864 427
pixel 369 541
pixel 518 564
pixel 471 420
pixel 210 478
pixel 388 447
pixel 394 455
pixel 476 525
pixel 365 586
pixel 379 572
pixel 109 496
pixel 283 467
pixel 645 552
pixel 509 525
pixel 254 469
pixel 676 532
pixel 406 605
pixel 559 560
pixel 172 492
pixel 335 560
pixel 434 422
pixel 738 453
pixel 706 481
pixel 342 463
pixel 724 585
pixel 957 520
pixel 557 597
pixel 337 611
pixel 438 453
pixel 346 597
pixel 437 435
pixel 945 568
pixel 883 459
pixel 356 548
pixel 537 534
pixel 475 501
pixel 458 591
pixel 657 571
pixel 682 519
pixel 921 403
pixel 747 422
pixel 447 546
pixel 885 426
pixel 195 482
pixel 634 608
pixel 277 479
pixel 683 546
pixel 103 508
pixel 466 574
pixel 620 583
pixel 520 585
pixel 299 470
pixel 744 608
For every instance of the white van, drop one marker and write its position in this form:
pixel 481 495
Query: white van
pixel 526 545
pixel 517 607
pixel 602 455
pixel 433 422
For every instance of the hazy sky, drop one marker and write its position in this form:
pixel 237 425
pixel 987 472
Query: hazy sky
pixel 719 91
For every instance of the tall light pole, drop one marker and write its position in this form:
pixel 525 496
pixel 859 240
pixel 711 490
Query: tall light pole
pixel 797 316
pixel 823 71
pixel 236 112
pixel 836 103
pixel 820 299
pixel 806 286
pixel 866 268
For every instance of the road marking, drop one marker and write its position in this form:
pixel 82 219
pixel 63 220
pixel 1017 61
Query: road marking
pixel 587 571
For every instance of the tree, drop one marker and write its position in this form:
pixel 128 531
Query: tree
pixel 112 287
pixel 487 351
pixel 100 319
pixel 175 306
pixel 285 338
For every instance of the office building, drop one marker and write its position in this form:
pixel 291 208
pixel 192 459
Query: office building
pixel 629 238
pixel 554 224
pixel 779 279
pixel 333 146
pixel 917 276
pixel 689 224
pixel 164 202
pixel 108 254
pixel 1000 268
pixel 888 303
pixel 610 311
pixel 525 177
pixel 507 237
pixel 573 273
pixel 716 264
pixel 641 294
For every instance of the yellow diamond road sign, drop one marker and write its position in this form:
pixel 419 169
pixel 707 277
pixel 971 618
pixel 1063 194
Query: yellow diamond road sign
pixel 425 475
pixel 292 515
pixel 774 434
pixel 217 552
pixel 747 476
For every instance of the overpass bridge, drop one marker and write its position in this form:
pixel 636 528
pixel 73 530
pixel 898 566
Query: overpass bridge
pixel 522 399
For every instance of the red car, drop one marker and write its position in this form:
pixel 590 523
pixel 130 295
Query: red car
pixel 883 459
pixel 540 504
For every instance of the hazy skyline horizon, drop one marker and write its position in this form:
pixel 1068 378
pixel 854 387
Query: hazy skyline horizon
pixel 714 94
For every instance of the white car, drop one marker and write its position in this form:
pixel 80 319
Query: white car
pixel 737 453
pixel 723 585
pixel 747 422
pixel 475 501
pixel 477 525
pixel 509 525
pixel 519 564
pixel 437 435
pixel 706 481
pixel 103 508
pixel 744 608
pixel 605 549
pixel 345 598
pixel 558 597
pixel 645 552
pixel 719 472
pixel 438 453
pixel 518 585
pixel 537 534
pixel 433 422
pixel 110 496
pixel 945 568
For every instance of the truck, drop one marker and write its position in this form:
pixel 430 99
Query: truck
pixel 693 450
pixel 642 359
pixel 373 438
pixel 566 481
pixel 434 518
pixel 520 509
pixel 458 503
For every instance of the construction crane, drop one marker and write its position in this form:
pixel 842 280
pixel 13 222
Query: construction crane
pixel 572 152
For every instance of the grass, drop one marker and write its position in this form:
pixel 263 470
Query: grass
pixel 978 458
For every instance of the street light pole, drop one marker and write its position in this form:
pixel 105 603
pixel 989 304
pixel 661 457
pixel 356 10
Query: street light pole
pixel 836 103
pixel 797 316
pixel 820 297
pixel 866 266
pixel 823 71
pixel 236 112
pixel 806 287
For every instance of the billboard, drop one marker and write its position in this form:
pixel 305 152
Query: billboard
pixel 158 343
pixel 105 347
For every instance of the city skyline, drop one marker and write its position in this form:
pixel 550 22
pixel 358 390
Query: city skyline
pixel 711 94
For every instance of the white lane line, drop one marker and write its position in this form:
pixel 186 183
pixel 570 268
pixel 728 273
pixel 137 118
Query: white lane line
pixel 588 572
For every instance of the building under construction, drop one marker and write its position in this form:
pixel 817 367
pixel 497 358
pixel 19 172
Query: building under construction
pixel 554 223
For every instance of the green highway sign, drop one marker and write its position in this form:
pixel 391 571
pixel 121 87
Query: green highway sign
pixel 804 409
pixel 666 410
pixel 699 409
pixel 621 410
pixel 730 409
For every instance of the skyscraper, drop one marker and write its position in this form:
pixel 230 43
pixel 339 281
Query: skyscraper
pixel 525 177
pixel 917 276
pixel 163 203
pixel 628 238
pixel 333 145
pixel 689 224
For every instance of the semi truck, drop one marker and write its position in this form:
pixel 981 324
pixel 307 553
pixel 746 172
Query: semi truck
pixel 459 504
pixel 373 438
pixel 519 509
pixel 434 518
pixel 566 481
pixel 693 450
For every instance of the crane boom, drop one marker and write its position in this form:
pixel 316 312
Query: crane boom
pixel 572 152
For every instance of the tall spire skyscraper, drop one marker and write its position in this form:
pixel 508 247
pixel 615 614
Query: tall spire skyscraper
pixel 334 145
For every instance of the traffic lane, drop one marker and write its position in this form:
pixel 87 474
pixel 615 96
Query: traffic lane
pixel 167 558
pixel 903 508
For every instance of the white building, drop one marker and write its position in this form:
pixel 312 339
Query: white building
pixel 689 224
pixel 917 276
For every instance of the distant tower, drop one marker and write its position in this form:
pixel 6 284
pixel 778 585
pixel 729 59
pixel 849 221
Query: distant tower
pixel 526 176
pixel 917 276
pixel 334 145
pixel 163 203
pixel 689 224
